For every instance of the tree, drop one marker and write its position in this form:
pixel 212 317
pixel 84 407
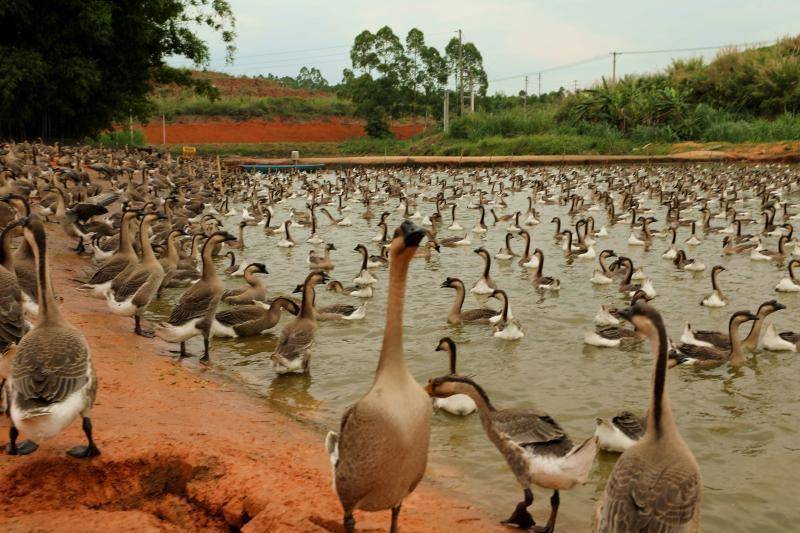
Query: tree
pixel 311 79
pixel 70 68
pixel 467 57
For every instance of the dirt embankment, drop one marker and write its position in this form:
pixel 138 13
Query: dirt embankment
pixel 201 131
pixel 183 452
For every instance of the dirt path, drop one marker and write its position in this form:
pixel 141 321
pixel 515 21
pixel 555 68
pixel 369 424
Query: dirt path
pixel 180 451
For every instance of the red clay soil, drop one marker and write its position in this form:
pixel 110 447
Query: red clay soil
pixel 181 451
pixel 243 86
pixel 333 129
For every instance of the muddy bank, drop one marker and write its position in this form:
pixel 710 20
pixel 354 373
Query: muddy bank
pixel 182 451
pixel 189 130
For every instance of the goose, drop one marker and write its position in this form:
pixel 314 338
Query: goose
pixel 315 262
pixel 531 219
pixel 673 249
pixel 621 432
pixel 789 283
pixel 269 230
pixel 292 354
pixel 255 290
pixel 693 240
pixel 507 327
pixel 728 247
pixel 233 269
pixel 52 379
pixel 12 313
pixel 169 261
pixel 547 283
pixel 684 263
pixel 313 238
pixel 481 228
pixel 101 280
pixel 238 244
pixel 506 253
pixel 722 341
pixel 608 332
pixel 136 292
pixel 775 342
pixel 716 298
pixel 454 226
pixel 382 236
pixel 526 254
pixel 287 241
pixel 760 254
pixel 457 404
pixel 792 337
pixel 378 261
pixel 536 448
pixel 251 320
pixel 485 285
pixel 372 473
pixel 358 291
pixel 344 222
pixel 603 317
pixel 604 276
pixel 364 277
pixel 655 484
pixel 194 312
pixel 708 357
pixel 472 316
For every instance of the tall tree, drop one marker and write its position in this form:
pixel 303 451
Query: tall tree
pixel 70 68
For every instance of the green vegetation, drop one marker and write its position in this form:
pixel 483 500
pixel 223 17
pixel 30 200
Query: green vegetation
pixel 119 139
pixel 73 68
pixel 253 107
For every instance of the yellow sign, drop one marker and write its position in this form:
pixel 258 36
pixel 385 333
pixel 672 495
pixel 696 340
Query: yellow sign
pixel 189 151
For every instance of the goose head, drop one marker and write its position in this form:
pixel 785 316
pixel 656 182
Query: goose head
pixel 406 239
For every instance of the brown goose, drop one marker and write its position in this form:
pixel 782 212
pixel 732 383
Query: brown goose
pixel 136 292
pixel 471 316
pixel 169 262
pixel 194 313
pixel 254 292
pixel 101 280
pixel 381 451
pixel 52 379
pixel 536 448
pixel 722 341
pixel 709 356
pixel 485 284
pixel 12 314
pixel 655 485
pixel 251 320
pixel 540 281
pixel 292 355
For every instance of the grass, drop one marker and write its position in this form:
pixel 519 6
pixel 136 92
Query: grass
pixel 249 107
pixel 119 139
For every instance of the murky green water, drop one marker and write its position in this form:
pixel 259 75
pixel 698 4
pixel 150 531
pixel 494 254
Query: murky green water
pixel 742 425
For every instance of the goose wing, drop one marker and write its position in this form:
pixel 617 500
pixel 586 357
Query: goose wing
pixel 109 270
pixel 630 424
pixel 790 336
pixel 194 303
pixel 478 314
pixel 701 353
pixel 51 364
pixel 105 199
pixel 641 496
pixel 296 338
pixel 717 338
pixel 132 284
pixel 240 315
pixel 533 430
pixel 12 317
pixel 339 309
pixel 615 332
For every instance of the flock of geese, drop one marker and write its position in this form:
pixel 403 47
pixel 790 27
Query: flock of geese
pixel 152 224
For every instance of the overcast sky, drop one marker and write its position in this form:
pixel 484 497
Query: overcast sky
pixel 514 36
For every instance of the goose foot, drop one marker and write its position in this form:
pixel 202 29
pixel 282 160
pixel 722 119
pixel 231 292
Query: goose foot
pixel 88 451
pixel 349 523
pixel 142 332
pixel 395 516
pixel 24 448
pixel 521 518
pixel 551 522
pixel 205 359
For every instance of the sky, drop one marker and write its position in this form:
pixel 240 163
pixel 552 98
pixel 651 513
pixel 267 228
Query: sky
pixel 515 37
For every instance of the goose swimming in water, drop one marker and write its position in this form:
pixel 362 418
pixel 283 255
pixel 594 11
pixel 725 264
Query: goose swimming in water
pixel 381 451
pixel 716 298
pixel 708 357
pixel 287 241
pixel 621 432
pixel 472 316
pixel 485 285
pixel 536 448
pixel 457 404
pixel 507 327
pixel 540 281
pixel 722 340
pixel 790 283
pixel 251 320
pixel 255 291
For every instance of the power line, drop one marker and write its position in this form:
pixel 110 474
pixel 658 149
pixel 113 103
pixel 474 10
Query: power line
pixel 695 49
pixel 551 69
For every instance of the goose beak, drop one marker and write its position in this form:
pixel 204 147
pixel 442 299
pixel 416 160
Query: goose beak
pixel 627 313
pixel 325 278
pixel 445 284
pixel 229 237
pixel 751 316
pixel 778 306
pixel 412 234
pixel 429 387
pixel 24 221
pixel 297 289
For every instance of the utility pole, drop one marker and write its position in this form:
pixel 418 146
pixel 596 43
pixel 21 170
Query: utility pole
pixel 460 72
pixel 471 94
pixel 446 114
pixel 526 91
pixel 614 67
pixel 574 86
pixel 539 94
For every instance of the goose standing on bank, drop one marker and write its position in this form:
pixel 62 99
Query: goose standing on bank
pixel 655 485
pixel 52 379
pixel 12 312
pixel 194 313
pixel 457 404
pixel 292 354
pixel 101 280
pixel 136 292
pixel 381 451
pixel 536 448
